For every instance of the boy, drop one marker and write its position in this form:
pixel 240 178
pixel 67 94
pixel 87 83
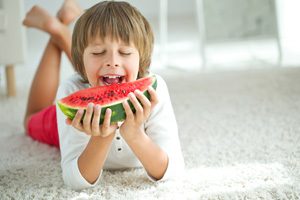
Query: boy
pixel 112 43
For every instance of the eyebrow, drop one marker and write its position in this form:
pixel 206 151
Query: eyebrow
pixel 94 44
pixel 122 45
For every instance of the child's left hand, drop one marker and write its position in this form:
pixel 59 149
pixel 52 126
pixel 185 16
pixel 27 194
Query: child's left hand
pixel 133 123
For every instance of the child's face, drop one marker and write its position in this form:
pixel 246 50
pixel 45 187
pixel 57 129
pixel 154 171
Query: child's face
pixel 109 61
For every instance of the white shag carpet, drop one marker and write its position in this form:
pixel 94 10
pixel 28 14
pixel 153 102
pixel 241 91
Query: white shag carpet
pixel 239 131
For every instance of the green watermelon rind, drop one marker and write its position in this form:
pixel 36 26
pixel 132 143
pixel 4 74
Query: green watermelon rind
pixel 118 112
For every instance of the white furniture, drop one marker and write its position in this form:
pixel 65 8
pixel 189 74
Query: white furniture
pixel 288 16
pixel 12 39
pixel 164 30
pixel 202 31
pixel 278 34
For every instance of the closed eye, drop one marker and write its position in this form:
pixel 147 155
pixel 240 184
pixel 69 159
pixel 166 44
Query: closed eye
pixel 125 53
pixel 98 53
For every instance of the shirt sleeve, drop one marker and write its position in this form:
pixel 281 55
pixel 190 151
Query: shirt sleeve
pixel 161 127
pixel 72 144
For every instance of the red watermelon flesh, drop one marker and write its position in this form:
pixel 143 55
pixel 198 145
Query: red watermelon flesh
pixel 110 96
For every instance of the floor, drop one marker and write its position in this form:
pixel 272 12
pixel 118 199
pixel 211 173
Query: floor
pixel 239 133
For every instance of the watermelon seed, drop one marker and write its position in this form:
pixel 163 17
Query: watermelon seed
pixel 83 98
pixel 111 94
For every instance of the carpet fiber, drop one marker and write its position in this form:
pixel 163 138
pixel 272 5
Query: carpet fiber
pixel 239 131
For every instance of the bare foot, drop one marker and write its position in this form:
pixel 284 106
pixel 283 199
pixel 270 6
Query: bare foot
pixel 39 18
pixel 69 11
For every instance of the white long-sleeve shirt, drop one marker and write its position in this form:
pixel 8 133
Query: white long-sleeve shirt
pixel 161 127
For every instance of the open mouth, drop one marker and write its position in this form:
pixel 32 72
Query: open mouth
pixel 112 79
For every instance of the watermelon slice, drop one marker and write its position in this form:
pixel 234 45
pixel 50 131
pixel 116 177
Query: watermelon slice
pixel 110 96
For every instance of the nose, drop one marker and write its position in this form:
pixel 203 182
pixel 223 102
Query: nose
pixel 113 61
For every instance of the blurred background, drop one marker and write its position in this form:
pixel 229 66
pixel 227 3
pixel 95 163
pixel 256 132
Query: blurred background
pixel 197 35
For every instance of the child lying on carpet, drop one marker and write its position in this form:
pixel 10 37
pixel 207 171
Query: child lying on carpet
pixel 110 40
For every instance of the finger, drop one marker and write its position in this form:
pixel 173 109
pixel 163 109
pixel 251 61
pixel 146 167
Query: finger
pixel 153 95
pixel 87 117
pixel 106 121
pixel 95 121
pixel 145 102
pixel 128 111
pixel 76 122
pixel 105 131
pixel 68 121
pixel 138 107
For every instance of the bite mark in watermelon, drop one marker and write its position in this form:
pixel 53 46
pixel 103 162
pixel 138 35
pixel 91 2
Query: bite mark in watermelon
pixel 110 96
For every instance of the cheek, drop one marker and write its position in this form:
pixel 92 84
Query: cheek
pixel 90 70
pixel 136 63
pixel 134 69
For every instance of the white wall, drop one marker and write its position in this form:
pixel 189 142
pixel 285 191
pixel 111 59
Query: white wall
pixel 225 19
pixel 239 19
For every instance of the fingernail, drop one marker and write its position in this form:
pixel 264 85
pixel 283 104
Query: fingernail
pixel 97 107
pixel 90 105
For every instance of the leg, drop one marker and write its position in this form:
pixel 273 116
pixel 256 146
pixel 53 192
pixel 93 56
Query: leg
pixel 10 80
pixel 41 19
pixel 201 29
pixel 69 11
pixel 45 83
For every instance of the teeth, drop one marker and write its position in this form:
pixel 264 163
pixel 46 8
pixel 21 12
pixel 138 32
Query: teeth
pixel 112 79
pixel 111 76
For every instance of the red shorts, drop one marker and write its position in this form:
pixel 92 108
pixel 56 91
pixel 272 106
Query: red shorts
pixel 42 126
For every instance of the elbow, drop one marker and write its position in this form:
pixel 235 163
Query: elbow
pixel 74 182
pixel 73 178
pixel 70 182
pixel 175 170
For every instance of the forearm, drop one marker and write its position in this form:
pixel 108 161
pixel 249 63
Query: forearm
pixel 91 161
pixel 152 157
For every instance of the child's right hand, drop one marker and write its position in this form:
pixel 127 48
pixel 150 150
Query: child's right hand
pixel 90 125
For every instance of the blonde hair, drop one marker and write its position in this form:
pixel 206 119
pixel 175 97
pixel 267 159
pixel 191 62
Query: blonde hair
pixel 119 21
